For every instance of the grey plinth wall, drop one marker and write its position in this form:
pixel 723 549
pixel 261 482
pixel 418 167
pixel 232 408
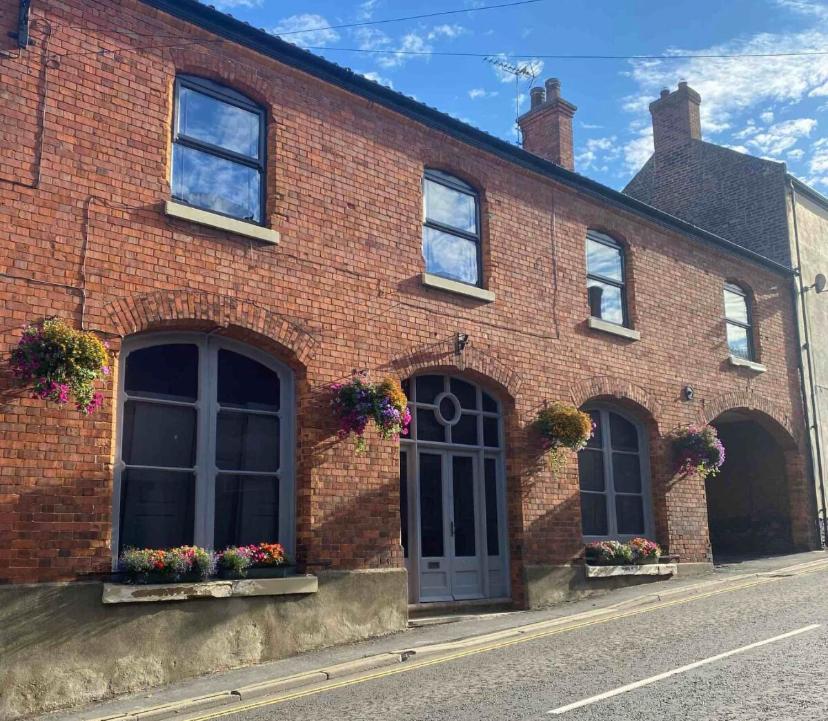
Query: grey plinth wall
pixel 61 647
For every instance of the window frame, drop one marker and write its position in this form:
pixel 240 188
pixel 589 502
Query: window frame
pixel 737 289
pixel 609 481
pixel 230 97
pixel 609 242
pixel 453 183
pixel 207 410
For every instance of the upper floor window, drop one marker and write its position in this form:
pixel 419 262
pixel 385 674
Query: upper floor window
pixel 218 150
pixel 738 322
pixel 605 278
pixel 451 228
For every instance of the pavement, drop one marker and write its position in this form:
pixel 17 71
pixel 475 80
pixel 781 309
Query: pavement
pixel 525 664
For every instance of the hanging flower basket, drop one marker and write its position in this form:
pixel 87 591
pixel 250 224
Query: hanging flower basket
pixel 697 450
pixel 61 364
pixel 562 427
pixel 360 402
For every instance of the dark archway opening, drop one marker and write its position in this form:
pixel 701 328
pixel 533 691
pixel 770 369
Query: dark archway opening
pixel 748 504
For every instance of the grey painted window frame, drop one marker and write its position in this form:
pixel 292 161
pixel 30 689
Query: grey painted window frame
pixel 737 289
pixel 609 484
pixel 231 97
pixel 609 242
pixel 449 181
pixel 207 408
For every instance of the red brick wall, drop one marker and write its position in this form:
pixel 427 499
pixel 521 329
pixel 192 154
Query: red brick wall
pixel 342 290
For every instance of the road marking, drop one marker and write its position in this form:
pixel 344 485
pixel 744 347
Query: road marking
pixel 415 665
pixel 681 669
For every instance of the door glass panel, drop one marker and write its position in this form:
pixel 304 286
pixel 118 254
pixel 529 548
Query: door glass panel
pixel 591 470
pixel 428 427
pixel 163 371
pixel 465 431
pixel 404 502
pixel 247 442
pixel 626 473
pixel 157 434
pixel 594 514
pixel 464 511
pixel 428 388
pixel 491 435
pixel 245 383
pixel 466 393
pixel 623 434
pixel 492 530
pixel 247 510
pixel 156 508
pixel 431 505
pixel 630 512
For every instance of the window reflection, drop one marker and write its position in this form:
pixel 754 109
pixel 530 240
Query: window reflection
pixel 605 279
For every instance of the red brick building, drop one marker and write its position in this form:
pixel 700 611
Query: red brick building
pixel 246 223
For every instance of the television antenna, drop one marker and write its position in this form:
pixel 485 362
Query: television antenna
pixel 521 70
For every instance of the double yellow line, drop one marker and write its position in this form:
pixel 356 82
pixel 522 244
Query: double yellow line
pixel 413 666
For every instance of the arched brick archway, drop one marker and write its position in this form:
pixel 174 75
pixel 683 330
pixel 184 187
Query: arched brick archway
pixel 779 423
pixel 623 390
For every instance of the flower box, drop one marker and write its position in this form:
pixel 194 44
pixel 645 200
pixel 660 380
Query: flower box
pixel 258 572
pixel 644 569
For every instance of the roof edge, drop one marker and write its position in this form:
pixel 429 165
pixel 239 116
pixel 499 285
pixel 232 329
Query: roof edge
pixel 806 189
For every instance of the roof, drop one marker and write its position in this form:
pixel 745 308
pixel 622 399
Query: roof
pixel 805 189
pixel 260 41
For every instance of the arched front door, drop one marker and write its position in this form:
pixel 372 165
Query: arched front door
pixel 452 494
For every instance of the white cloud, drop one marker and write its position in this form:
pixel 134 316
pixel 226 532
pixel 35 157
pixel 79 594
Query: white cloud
pixel 598 153
pixel 805 7
pixel 365 11
pixel 447 31
pixel 767 116
pixel 410 43
pixel 591 126
pixel 776 139
pixel 377 78
pixel 638 150
pixel 477 93
pixel 230 4
pixel 796 154
pixel 306 29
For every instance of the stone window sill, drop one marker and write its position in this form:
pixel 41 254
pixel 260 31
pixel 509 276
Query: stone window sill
pixel 750 365
pixel 221 222
pixel 647 569
pixel 452 286
pixel 613 328
pixel 155 592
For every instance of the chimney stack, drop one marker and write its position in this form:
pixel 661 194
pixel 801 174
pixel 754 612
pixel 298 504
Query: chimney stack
pixel 676 119
pixel 547 126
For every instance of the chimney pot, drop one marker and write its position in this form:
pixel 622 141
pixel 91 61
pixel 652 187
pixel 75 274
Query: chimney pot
pixel 553 89
pixel 665 92
pixel 537 95
pixel 676 118
pixel 547 126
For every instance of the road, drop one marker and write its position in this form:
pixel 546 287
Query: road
pixel 763 653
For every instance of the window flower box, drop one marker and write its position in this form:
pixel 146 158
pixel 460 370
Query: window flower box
pixel 642 569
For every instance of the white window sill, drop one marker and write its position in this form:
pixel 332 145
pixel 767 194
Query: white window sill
pixel 155 592
pixel 452 286
pixel 221 222
pixel 613 328
pixel 750 365
pixel 646 569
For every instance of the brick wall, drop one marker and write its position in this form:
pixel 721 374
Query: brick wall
pixel 342 290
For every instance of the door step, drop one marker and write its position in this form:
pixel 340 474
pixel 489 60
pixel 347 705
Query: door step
pixel 431 614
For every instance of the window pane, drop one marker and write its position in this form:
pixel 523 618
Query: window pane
pixel 735 306
pixel 630 514
pixel 207 181
pixel 489 403
pixel 591 470
pixel 448 410
pixel 738 341
pixel 245 383
pixel 247 442
pixel 247 510
pixel 626 473
pixel 156 434
pixel 163 371
pixel 450 256
pixel 156 509
pixel 428 388
pixel 431 505
pixel 213 121
pixel 623 434
pixel 466 393
pixel 594 514
pixel 450 207
pixel 404 502
pixel 428 427
pixel 465 430
pixel 604 260
pixel 491 432
pixel 464 513
pixel 492 532
pixel 605 302
pixel 597 438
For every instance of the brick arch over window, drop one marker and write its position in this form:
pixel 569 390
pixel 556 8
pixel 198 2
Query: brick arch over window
pixel 165 309
pixel 751 401
pixel 612 387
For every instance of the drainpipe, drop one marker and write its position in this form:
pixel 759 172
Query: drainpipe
pixel 814 446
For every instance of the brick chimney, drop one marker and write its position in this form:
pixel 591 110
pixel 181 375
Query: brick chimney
pixel 675 118
pixel 547 126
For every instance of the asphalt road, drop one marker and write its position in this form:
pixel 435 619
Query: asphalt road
pixel 774 678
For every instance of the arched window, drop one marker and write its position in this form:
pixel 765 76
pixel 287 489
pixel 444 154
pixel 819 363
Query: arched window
pixel 206 444
pixel 738 322
pixel 451 228
pixel 614 478
pixel 218 155
pixel 606 285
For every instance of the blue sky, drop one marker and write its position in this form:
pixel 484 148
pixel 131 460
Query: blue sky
pixel 770 107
